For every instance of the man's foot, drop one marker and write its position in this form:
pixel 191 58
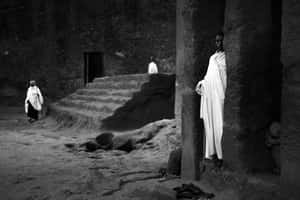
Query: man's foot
pixel 209 159
pixel 219 163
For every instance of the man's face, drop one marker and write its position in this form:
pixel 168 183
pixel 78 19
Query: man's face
pixel 32 83
pixel 219 42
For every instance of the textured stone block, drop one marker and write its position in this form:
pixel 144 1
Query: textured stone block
pixel 248 103
pixel 192 135
pixel 290 138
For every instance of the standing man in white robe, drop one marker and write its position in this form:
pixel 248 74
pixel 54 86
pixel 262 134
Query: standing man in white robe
pixel 152 67
pixel 33 102
pixel 212 90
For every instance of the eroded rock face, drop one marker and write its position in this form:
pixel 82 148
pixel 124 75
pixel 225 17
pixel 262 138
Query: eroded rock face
pixel 154 102
pixel 174 162
pixel 91 146
pixel 248 102
pixel 290 138
pixel 156 136
pixel 105 141
pixel 56 60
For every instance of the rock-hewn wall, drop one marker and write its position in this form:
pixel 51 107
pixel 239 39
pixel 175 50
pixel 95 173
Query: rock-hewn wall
pixel 45 40
pixel 197 24
pixel 154 102
pixel 156 34
pixel 248 103
pixel 290 138
pixel 195 43
pixel 48 49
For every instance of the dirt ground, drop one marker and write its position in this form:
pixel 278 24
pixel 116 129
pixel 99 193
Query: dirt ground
pixel 35 164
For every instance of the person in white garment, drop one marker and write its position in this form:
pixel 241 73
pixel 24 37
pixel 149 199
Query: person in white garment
pixel 212 90
pixel 33 102
pixel 152 67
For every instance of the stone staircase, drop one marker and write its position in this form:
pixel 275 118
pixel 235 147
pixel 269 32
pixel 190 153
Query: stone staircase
pixel 88 106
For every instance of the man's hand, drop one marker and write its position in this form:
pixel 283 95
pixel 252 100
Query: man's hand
pixel 199 88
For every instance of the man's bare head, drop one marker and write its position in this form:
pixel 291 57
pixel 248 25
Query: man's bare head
pixel 219 41
pixel 32 83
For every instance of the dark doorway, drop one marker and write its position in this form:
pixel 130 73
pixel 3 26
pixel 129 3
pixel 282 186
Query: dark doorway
pixel 93 66
pixel 276 69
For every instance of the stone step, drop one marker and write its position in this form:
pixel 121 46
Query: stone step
pixel 124 78
pixel 106 92
pixel 70 116
pixel 80 111
pixel 100 99
pixel 106 108
pixel 115 85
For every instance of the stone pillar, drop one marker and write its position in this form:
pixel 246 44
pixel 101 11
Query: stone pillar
pixel 186 78
pixel 197 23
pixel 248 47
pixel 290 138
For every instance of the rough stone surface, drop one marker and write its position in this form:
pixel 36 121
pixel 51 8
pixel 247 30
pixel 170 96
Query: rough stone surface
pixel 123 142
pixel 194 44
pixel 192 137
pixel 290 138
pixel 153 102
pixel 35 164
pixel 143 136
pixel 105 140
pixel 98 100
pixel 46 40
pixel 91 146
pixel 174 162
pixel 158 135
pixel 248 102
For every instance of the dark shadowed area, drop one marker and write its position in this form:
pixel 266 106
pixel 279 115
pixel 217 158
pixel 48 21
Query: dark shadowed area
pixel 155 101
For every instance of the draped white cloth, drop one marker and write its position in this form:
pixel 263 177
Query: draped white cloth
pixel 152 68
pixel 34 96
pixel 212 90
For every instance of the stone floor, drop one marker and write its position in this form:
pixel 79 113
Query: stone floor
pixel 36 165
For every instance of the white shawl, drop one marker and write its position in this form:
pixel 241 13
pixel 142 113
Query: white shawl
pixel 34 96
pixel 213 88
pixel 152 68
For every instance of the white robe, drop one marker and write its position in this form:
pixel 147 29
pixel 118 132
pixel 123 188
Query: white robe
pixel 34 96
pixel 152 68
pixel 213 88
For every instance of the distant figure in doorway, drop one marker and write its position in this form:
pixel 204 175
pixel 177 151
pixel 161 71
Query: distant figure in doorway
pixel 152 67
pixel 33 102
pixel 212 90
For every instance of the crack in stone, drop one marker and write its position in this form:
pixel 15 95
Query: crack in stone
pixel 122 183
